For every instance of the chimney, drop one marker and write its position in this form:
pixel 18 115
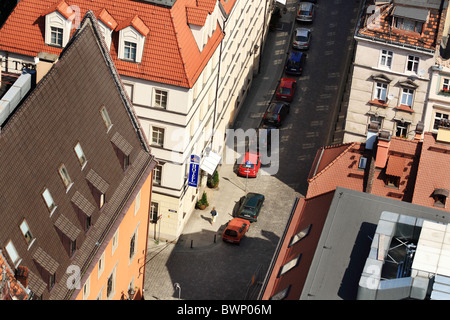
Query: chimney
pixel 419 131
pixel 21 275
pixel 384 140
pixel 372 133
pixel 44 62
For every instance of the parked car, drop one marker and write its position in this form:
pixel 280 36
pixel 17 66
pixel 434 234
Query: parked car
pixel 235 230
pixel 250 165
pixel 305 12
pixel 302 39
pixel 276 113
pixel 250 206
pixel 286 89
pixel 295 63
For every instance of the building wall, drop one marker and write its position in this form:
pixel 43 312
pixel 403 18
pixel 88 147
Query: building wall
pixel 116 256
pixel 438 103
pixel 368 64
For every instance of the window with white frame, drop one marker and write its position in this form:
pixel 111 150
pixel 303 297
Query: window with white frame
pixel 129 52
pixel 412 63
pixel 26 232
pixel 115 242
pixel 12 253
pixel 386 58
pixel 401 129
pixel 158 136
pixel 87 288
pixel 56 36
pixel 445 85
pixel 438 116
pixel 380 91
pixel 160 99
pixel 80 154
pixel 300 235
pixel 408 24
pixel 64 174
pixel 106 118
pixel 157 172
pixel 49 200
pixel 154 212
pixel 111 285
pixel 407 97
pixel 137 202
pixel 289 265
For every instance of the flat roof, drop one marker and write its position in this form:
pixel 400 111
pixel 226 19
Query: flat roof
pixel 345 241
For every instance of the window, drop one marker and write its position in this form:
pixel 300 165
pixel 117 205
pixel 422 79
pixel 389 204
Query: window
pixel 12 253
pixel 440 197
pixel 408 25
pixel 72 247
pixel 412 64
pixel 130 50
pixel 102 200
pixel 65 176
pixel 437 119
pixel 158 136
pixel 160 98
pixel 157 175
pixel 154 212
pixel 407 97
pixel 392 181
pixel 86 289
pixel 402 129
pixel 80 154
pixel 110 285
pixel 282 294
pixel 386 58
pixel 51 280
pixel 446 85
pixel 56 36
pixel 133 246
pixel 289 265
pixel 362 163
pixel 115 242
pixel 137 202
pixel 101 265
pixel 49 200
pixel 380 91
pixel 300 235
pixel 26 232
pixel 106 118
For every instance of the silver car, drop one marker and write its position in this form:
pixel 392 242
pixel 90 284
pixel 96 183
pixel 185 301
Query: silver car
pixel 305 12
pixel 302 39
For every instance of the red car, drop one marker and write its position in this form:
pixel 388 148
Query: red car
pixel 235 230
pixel 250 166
pixel 286 89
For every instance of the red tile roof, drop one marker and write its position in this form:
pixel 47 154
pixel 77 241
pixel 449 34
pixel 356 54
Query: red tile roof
pixel 384 29
pixel 395 166
pixel 433 172
pixel 196 16
pixel 340 169
pixel 12 289
pixel 170 56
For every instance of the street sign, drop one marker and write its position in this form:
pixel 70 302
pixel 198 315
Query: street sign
pixel 193 171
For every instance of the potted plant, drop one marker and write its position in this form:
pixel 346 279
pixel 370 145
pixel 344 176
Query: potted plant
pixel 213 181
pixel 203 202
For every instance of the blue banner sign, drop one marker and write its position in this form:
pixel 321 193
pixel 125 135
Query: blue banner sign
pixel 193 171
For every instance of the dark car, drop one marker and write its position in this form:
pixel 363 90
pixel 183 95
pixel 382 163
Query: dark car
pixel 295 63
pixel 276 113
pixel 235 230
pixel 250 206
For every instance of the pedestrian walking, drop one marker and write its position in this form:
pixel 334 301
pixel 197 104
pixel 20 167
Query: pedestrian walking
pixel 213 214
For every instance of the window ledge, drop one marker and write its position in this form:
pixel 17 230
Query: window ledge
pixel 404 107
pixel 379 103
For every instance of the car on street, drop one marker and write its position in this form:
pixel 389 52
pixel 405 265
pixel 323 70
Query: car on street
pixel 250 206
pixel 305 12
pixel 276 113
pixel 286 89
pixel 295 63
pixel 235 230
pixel 250 165
pixel 302 39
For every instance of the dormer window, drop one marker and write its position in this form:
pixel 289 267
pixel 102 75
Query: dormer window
pixel 106 25
pixel 132 34
pixel 58 24
pixel 440 197
pixel 409 18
